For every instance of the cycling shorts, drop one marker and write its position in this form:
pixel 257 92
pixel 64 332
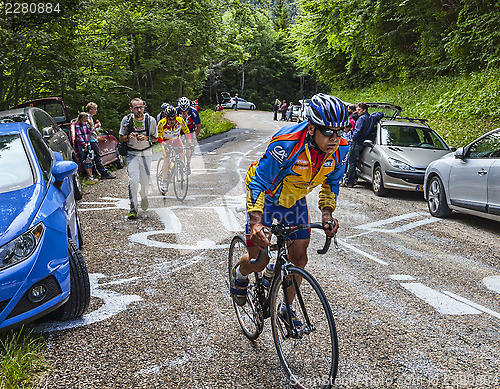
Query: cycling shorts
pixel 175 143
pixel 296 214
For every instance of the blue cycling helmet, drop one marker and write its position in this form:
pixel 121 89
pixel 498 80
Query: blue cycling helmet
pixel 326 110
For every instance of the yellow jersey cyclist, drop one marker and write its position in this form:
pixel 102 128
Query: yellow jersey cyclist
pixel 298 158
pixel 170 129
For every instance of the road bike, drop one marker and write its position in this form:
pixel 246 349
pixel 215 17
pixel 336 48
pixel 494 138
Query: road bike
pixel 177 173
pixel 308 352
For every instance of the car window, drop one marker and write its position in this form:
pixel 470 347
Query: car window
pixel 487 147
pixel 14 118
pixel 55 110
pixel 48 119
pixel 15 168
pixel 409 136
pixel 43 154
pixel 40 121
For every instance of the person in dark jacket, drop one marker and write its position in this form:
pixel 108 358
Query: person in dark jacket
pixel 351 108
pixel 361 132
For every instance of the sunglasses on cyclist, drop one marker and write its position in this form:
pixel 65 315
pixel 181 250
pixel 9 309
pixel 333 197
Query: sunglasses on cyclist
pixel 329 132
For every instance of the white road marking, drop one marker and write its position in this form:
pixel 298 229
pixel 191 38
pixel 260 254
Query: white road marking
pixel 228 219
pixel 361 252
pixel 441 302
pixel 111 202
pixel 114 303
pixel 473 304
pixel 170 221
pixel 492 283
pixel 401 277
pixel 143 238
pixel 375 226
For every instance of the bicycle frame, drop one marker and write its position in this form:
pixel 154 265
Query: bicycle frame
pixel 281 266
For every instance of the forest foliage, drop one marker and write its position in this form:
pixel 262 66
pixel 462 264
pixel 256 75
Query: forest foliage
pixel 109 51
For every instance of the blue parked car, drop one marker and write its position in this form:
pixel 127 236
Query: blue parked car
pixel 42 270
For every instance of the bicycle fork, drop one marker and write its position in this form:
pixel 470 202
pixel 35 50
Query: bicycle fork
pixel 294 331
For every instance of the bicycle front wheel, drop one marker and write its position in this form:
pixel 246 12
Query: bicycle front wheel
pixel 180 180
pixel 249 315
pixel 159 176
pixel 307 348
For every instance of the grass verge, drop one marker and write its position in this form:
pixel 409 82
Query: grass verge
pixel 213 123
pixel 459 108
pixel 21 356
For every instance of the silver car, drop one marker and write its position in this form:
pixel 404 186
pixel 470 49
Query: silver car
pixel 467 181
pixel 397 154
pixel 242 104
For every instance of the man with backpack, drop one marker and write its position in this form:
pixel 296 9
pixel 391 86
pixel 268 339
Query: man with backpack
pixel 138 129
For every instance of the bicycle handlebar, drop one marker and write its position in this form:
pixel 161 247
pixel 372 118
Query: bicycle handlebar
pixel 280 230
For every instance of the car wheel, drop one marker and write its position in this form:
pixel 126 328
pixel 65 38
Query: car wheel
pixel 436 198
pixel 79 297
pixel 378 183
pixel 252 107
pixel 77 185
pixel 120 161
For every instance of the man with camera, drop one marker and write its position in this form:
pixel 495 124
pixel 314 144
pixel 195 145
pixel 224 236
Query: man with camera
pixel 138 129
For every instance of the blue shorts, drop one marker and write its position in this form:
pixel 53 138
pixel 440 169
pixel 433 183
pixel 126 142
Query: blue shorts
pixel 296 214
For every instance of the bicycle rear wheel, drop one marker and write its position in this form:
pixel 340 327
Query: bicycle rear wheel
pixel 180 180
pixel 309 353
pixel 159 176
pixel 249 315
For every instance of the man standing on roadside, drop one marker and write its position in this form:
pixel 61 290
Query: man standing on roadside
pixel 361 132
pixel 236 102
pixel 138 129
pixel 91 109
pixel 276 107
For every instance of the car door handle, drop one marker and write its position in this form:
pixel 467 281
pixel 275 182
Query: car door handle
pixel 482 172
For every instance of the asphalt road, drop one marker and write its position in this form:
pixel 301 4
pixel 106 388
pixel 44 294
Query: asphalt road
pixel 416 299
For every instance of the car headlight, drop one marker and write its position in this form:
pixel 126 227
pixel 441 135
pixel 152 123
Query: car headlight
pixel 19 249
pixel 400 165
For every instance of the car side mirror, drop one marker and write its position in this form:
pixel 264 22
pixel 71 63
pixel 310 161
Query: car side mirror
pixel 453 148
pixel 63 169
pixel 47 132
pixel 460 153
pixel 368 143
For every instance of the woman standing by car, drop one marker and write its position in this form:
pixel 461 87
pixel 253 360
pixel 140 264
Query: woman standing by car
pixel 83 130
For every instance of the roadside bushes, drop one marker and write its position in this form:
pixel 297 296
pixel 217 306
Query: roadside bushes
pixel 460 108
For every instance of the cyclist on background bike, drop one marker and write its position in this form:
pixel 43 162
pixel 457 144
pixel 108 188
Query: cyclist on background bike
pixel 189 114
pixel 170 130
pixel 161 114
pixel 193 121
pixel 298 158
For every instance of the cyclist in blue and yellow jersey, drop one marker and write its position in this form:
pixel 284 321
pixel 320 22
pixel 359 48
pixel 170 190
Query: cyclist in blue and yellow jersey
pixel 170 129
pixel 193 121
pixel 298 158
pixel 189 114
